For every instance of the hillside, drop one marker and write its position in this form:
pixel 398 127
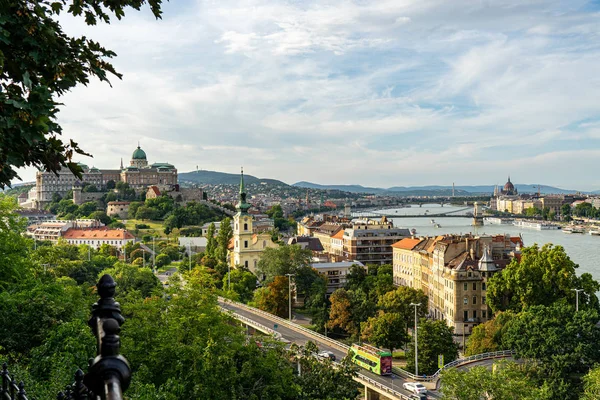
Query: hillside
pixel 222 178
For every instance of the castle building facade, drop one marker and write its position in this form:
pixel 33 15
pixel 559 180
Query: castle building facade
pixel 139 175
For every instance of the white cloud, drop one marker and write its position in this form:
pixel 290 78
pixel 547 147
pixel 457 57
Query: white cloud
pixel 393 92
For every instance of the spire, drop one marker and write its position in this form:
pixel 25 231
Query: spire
pixel 242 206
pixel 121 162
pixel 509 178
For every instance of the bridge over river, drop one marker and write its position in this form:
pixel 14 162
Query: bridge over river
pixel 455 213
pixel 377 387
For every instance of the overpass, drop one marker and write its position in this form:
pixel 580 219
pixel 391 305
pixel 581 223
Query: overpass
pixel 377 387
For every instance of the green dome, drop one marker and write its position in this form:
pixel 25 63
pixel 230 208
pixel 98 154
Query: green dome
pixel 138 154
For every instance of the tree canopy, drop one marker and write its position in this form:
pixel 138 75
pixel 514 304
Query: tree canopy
pixel 39 62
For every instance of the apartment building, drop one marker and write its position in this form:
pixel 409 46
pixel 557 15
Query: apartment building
pixel 453 271
pixel 370 241
pixel 335 273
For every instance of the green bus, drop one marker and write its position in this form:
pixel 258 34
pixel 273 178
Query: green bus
pixel 369 357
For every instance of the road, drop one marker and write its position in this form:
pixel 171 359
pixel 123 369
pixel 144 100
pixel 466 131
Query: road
pixel 301 338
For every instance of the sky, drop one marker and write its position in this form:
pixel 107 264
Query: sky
pixel 379 93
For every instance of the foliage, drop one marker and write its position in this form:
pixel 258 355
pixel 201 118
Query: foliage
pixel 399 301
pixel 211 241
pixel 279 221
pixel 542 277
pixel 340 314
pixel 505 381
pixel 487 337
pixel 36 308
pixel 132 279
pixel 162 259
pixel 13 245
pixel 243 282
pixel 591 385
pixel 386 330
pixel 562 340
pixel 282 260
pixel 434 338
pixel 321 380
pixel 274 298
pixel 223 237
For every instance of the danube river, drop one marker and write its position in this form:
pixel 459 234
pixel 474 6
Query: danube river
pixel 583 249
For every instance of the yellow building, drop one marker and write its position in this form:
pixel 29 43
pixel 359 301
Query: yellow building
pixel 247 246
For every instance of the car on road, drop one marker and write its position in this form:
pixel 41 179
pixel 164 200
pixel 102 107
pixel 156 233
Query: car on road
pixel 420 396
pixel 326 354
pixel 415 387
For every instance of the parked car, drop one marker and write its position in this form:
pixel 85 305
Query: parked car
pixel 415 387
pixel 326 354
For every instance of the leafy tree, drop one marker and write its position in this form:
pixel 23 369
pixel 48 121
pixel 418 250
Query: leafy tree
pixel 340 314
pixel 434 338
pixel 110 185
pixel 591 385
pixel 87 208
pixel 133 208
pixel 562 340
pixel 399 301
pixel 355 277
pixel 243 282
pixel 146 213
pixel 101 216
pixel 131 278
pixel 321 380
pixel 282 260
pixel 13 245
pixel 162 259
pixel 29 312
pixel 505 381
pixel 541 277
pixel 487 337
pixel 387 330
pixel 275 297
pixel 211 242
pixel 223 237
pixel 89 189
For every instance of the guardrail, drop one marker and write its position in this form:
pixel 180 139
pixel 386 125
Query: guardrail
pixel 383 388
pixel 256 325
pixel 289 324
pixel 453 364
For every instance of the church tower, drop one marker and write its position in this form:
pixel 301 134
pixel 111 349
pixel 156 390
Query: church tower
pixel 242 228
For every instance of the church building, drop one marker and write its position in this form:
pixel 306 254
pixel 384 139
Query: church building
pixel 247 246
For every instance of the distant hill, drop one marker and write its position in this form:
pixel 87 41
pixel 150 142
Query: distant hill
pixel 434 190
pixel 222 178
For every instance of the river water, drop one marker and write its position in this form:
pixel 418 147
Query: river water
pixel 583 249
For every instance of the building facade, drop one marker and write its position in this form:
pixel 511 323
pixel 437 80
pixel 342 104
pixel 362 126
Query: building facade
pixel 139 174
pixel 453 272
pixel 370 241
pixel 96 237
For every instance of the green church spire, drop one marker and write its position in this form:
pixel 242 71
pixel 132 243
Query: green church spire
pixel 242 206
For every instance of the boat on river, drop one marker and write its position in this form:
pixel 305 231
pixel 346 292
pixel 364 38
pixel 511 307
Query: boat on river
pixel 437 226
pixel 573 229
pixel 595 231
pixel 537 225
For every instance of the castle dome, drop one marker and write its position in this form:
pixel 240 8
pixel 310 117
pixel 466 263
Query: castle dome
pixel 138 154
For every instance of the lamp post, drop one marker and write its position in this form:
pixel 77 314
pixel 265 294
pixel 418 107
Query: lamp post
pixel 577 298
pixel 190 255
pixel 228 276
pixel 416 348
pixel 290 292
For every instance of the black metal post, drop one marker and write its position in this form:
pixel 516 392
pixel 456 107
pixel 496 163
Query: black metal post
pixel 109 374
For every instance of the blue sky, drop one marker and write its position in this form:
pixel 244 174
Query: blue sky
pixel 379 93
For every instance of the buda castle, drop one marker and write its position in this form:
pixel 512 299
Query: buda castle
pixel 138 174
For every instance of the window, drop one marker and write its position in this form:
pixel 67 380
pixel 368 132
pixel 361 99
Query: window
pixel 466 300
pixel 482 299
pixel 466 286
pixel 474 314
pixel 474 299
pixel 465 315
pixel 483 314
pixel 245 227
pixel 246 264
pixel 474 285
pixel 482 285
pixel 264 244
pixel 245 244
pixel 469 274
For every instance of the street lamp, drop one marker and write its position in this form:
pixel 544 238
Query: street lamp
pixel 577 298
pixel 416 348
pixel 290 292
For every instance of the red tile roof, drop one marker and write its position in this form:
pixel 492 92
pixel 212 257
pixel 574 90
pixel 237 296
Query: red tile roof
pixel 98 233
pixel 406 244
